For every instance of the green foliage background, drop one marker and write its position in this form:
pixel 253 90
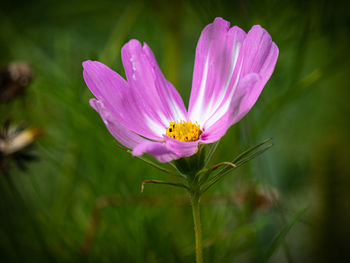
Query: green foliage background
pixel 45 211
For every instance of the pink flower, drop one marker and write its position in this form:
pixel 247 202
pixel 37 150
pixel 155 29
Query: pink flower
pixel 146 113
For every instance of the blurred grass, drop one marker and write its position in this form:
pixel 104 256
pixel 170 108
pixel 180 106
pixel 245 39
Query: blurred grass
pixel 45 211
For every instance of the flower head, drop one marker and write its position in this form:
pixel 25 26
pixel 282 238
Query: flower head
pixel 145 112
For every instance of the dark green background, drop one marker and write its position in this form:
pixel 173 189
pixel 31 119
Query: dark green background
pixel 45 211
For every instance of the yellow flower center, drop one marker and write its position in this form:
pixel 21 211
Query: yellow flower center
pixel 185 131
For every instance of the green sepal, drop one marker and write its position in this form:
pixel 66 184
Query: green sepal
pixel 227 170
pixel 211 152
pixel 191 165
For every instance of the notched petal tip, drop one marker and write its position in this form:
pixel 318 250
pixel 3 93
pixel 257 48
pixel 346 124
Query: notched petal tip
pixel 275 48
pixel 218 25
pixel 94 104
pixel 259 32
pixel 88 63
pixel 92 67
pixel 85 62
pixel 132 44
pixel 239 31
pixel 256 27
pixel 135 48
pixel 221 21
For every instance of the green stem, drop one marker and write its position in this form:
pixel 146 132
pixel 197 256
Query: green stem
pixel 197 226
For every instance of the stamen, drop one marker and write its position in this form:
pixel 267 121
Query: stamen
pixel 185 131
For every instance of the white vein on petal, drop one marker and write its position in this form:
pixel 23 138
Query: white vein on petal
pixel 225 107
pixel 177 112
pixel 235 53
pixel 154 126
pixel 198 105
pixel 133 67
pixel 164 119
pixel 209 110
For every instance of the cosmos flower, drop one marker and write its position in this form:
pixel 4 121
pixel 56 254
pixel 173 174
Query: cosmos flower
pixel 145 112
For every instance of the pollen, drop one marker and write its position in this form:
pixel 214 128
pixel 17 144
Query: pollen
pixel 185 131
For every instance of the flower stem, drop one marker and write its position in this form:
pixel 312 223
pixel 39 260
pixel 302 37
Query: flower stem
pixel 197 226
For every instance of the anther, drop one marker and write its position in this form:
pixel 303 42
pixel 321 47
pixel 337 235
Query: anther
pixel 184 131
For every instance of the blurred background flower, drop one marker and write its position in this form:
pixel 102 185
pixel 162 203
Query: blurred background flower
pixel 16 142
pixel 46 210
pixel 14 79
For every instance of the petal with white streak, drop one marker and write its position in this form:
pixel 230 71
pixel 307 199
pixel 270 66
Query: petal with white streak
pixel 216 69
pixel 145 78
pixel 122 134
pixel 125 103
pixel 257 58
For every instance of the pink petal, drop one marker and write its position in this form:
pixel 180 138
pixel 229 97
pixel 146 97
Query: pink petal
pixel 260 57
pixel 167 151
pixel 217 130
pixel 257 59
pixel 156 149
pixel 181 148
pixel 125 104
pixel 216 69
pixel 123 135
pixel 145 77
pixel 223 117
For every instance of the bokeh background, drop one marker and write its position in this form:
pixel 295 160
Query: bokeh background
pixel 80 199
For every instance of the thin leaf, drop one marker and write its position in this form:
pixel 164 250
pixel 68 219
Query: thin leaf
pixel 177 171
pixel 243 154
pixel 222 163
pixel 144 159
pixel 282 234
pixel 208 171
pixel 211 152
pixel 162 182
pixel 154 165
pixel 224 171
pixel 256 154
